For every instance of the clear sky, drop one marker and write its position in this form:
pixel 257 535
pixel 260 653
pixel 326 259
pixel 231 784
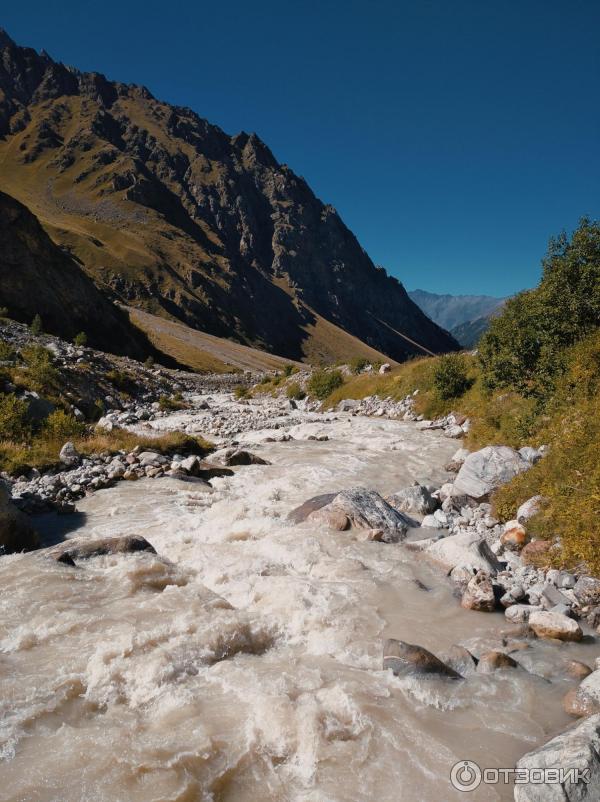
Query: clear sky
pixel 453 136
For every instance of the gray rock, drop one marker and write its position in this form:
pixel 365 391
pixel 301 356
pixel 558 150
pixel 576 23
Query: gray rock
pixel 76 549
pixel 578 748
pixel 519 613
pixel 464 549
pixel 366 509
pixel 16 532
pixel 529 508
pixel 532 455
pixel 69 455
pixel 416 498
pixel 485 470
pixel 407 659
pixel 479 594
pixel 587 591
pixel 555 625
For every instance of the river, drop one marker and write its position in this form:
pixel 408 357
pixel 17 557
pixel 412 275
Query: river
pixel 242 663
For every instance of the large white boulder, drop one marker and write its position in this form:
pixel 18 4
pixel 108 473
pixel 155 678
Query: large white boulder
pixel 485 470
pixel 465 549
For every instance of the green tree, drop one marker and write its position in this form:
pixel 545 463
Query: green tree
pixel 450 377
pixel 36 326
pixel 80 339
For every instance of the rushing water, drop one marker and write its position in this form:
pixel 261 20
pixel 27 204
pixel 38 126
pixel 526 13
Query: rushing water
pixel 243 663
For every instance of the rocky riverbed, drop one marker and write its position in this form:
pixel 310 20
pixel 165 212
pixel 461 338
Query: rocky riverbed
pixel 324 608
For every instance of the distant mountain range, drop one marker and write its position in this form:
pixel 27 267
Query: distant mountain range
pixel 167 213
pixel 466 317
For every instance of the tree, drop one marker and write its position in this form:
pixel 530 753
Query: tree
pixel 36 326
pixel 80 339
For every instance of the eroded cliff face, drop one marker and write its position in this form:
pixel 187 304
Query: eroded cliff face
pixel 174 215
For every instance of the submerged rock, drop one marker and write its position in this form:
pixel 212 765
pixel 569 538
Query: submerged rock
pixel 407 659
pixel 84 549
pixel 493 661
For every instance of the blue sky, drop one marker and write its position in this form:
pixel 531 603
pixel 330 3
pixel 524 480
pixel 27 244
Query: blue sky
pixel 454 138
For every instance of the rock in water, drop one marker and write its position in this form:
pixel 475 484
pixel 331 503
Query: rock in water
pixel 301 513
pixel 584 700
pixel 493 661
pixel 487 469
pixel 406 659
pixel 243 458
pixel 479 594
pixel 366 509
pixel 84 549
pixel 16 532
pixel 555 625
pixel 577 748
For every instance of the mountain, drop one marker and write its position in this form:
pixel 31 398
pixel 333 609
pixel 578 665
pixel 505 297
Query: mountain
pixel 37 277
pixel 172 215
pixel 468 334
pixel 450 311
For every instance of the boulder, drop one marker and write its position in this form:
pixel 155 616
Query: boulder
pixel 587 591
pixel 460 660
pixel 16 532
pixel 416 498
pixel 586 698
pixel 485 470
pixel 529 508
pixel 464 549
pixel 385 368
pixel 151 459
pixel 519 613
pixel 407 659
pixel 366 509
pixel 332 518
pixel 555 625
pixel 81 549
pixel 240 457
pixel 577 748
pixel 514 536
pixel 479 594
pixel 577 670
pixel 536 552
pixel 530 454
pixel 69 455
pixel 301 513
pixel 347 405
pixel 492 661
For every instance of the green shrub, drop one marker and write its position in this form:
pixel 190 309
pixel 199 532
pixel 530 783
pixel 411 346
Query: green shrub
pixel 80 339
pixel 149 363
pixel 241 392
pixel 323 382
pixel 60 425
pixel 36 326
pixel 524 348
pixel 450 377
pixel 294 392
pixel 7 352
pixel 14 423
pixel 289 370
pixel 172 403
pixel 3 311
pixel 358 364
pixel 41 373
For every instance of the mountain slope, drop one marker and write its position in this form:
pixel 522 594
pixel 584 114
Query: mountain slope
pixel 450 311
pixel 176 217
pixel 36 277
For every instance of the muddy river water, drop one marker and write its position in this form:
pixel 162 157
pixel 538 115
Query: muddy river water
pixel 243 662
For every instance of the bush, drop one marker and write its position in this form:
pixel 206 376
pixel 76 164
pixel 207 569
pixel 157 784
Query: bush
pixel 323 382
pixel 14 422
pixel 7 352
pixel 3 311
pixel 149 363
pixel 60 425
pixel 80 339
pixel 41 373
pixel 294 392
pixel 450 377
pixel 289 370
pixel 241 392
pixel 36 326
pixel 524 347
pixel 172 403
pixel 358 364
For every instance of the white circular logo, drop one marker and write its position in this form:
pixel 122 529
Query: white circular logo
pixel 465 775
